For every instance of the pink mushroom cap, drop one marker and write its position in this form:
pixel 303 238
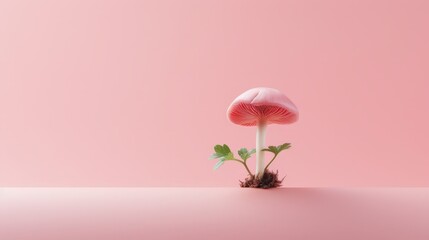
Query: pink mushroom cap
pixel 262 105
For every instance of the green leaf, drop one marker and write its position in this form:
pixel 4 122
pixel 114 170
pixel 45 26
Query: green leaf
pixel 218 164
pixel 215 155
pixel 277 149
pixel 218 148
pixel 229 156
pixel 222 152
pixel 226 149
pixel 283 147
pixel 245 154
pixel 273 149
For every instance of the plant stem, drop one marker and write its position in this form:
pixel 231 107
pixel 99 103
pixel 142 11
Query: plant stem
pixel 244 163
pixel 270 162
pixel 260 142
pixel 247 168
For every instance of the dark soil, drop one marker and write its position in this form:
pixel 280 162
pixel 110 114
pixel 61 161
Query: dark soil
pixel 269 180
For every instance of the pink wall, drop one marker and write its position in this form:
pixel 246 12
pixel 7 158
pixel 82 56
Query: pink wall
pixel 134 93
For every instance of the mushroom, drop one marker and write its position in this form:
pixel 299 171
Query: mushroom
pixel 260 107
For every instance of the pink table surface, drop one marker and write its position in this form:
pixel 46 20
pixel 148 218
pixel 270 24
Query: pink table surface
pixel 214 213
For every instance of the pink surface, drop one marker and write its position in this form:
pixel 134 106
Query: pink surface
pixel 134 93
pixel 214 213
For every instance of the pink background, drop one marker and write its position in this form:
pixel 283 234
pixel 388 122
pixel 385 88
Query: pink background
pixel 134 93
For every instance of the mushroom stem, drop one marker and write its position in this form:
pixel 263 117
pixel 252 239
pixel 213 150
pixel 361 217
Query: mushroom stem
pixel 260 142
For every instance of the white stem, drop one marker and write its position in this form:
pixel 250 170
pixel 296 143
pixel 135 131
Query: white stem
pixel 260 142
